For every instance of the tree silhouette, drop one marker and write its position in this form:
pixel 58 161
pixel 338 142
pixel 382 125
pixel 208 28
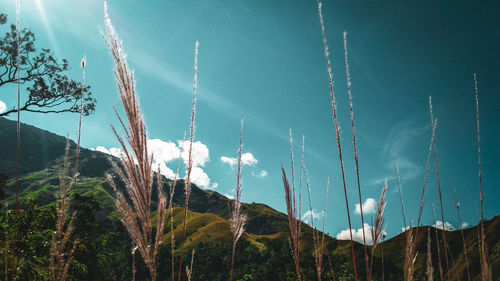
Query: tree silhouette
pixel 49 89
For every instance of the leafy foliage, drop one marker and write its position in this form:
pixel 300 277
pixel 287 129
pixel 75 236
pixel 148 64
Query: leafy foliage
pixel 49 89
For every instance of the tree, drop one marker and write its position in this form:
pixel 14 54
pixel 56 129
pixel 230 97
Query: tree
pixel 49 89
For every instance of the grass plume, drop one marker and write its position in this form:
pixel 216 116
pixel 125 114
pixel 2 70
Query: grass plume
pixel 429 269
pixel 18 133
pixel 457 206
pixel 410 255
pixel 237 219
pixel 377 229
pixel 368 272
pixel 61 252
pixel 136 163
pixel 439 192
pixel 440 267
pixel 291 209
pixel 189 168
pixel 400 195
pixel 485 271
pixel 337 133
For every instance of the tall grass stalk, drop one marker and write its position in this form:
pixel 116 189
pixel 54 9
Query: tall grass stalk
pixel 337 134
pixel 378 227
pixel 400 195
pixel 237 219
pixel 485 271
pixel 429 268
pixel 189 269
pixel 135 169
pixel 77 153
pixel 318 242
pixel 440 267
pixel 291 210
pixel 410 255
pixel 439 192
pixel 171 210
pixel 187 182
pixel 426 174
pixel 61 253
pixel 18 140
pixel 457 206
pixel 348 77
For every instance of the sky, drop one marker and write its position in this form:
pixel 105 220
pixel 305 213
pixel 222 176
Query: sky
pixel 263 62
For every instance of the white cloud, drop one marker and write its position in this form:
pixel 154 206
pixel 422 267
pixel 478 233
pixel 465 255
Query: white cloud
pixel 369 206
pixel 200 153
pixel 112 151
pixel 307 216
pixel 167 151
pixel 357 234
pixel 200 178
pixel 3 106
pixel 229 196
pixel 447 226
pixel 465 225
pixel 247 159
pixel 163 151
pixel 260 175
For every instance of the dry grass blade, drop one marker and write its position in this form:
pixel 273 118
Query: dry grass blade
pixel 136 164
pixel 189 168
pixel 237 219
pixel 457 206
pixel 439 193
pixel 485 271
pixel 427 163
pixel 410 255
pixel 440 267
pixel 378 227
pixel 189 269
pixel 400 195
pixel 18 131
pixel 337 133
pixel 171 209
pixel 429 268
pixel 368 274
pixel 77 154
pixel 318 242
pixel 292 222
pixel 61 252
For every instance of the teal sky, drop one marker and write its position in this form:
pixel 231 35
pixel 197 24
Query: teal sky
pixel 262 61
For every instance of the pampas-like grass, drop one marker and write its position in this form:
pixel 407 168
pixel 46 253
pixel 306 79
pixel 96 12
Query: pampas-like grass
pixel 485 271
pixel 368 273
pixel 410 255
pixel 439 193
pixel 61 252
pixel 337 133
pixel 18 131
pixel 457 206
pixel 429 269
pixel 189 168
pixel 136 164
pixel 237 219
pixel 378 227
pixel 400 195
pixel 440 267
pixel 189 269
pixel 171 209
pixel 318 242
pixel 291 210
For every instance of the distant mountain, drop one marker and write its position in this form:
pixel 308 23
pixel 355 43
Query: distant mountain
pixel 263 251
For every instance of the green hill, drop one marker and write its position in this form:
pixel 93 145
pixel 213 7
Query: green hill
pixel 263 252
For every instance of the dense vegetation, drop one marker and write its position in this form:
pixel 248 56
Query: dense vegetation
pixel 103 249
